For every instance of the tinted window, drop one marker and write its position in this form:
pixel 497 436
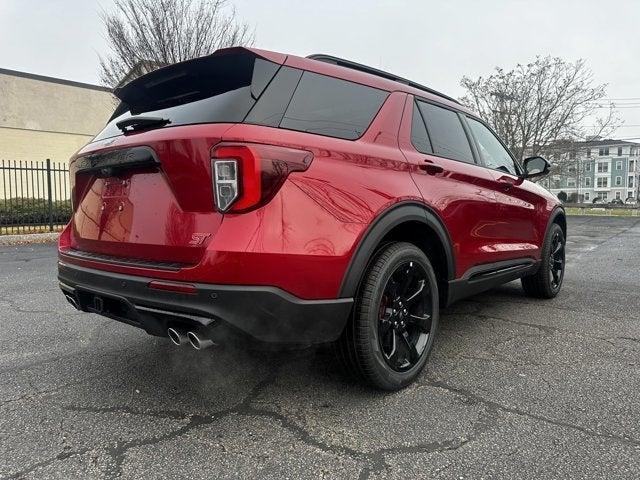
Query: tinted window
pixel 333 107
pixel 446 133
pixel 211 89
pixel 419 136
pixel 493 153
pixel 270 108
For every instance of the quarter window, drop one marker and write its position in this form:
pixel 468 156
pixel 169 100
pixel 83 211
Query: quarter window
pixel 332 107
pixel 446 133
pixel 493 153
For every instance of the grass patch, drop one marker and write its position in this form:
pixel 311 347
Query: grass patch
pixel 603 211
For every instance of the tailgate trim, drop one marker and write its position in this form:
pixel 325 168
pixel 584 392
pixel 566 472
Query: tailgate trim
pixel 130 262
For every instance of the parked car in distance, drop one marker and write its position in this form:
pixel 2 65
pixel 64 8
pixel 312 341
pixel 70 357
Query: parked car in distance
pixel 299 201
pixel 616 201
pixel 597 200
pixel 630 201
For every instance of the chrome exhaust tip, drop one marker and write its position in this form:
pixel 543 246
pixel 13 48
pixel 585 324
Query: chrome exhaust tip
pixel 71 299
pixel 198 342
pixel 177 336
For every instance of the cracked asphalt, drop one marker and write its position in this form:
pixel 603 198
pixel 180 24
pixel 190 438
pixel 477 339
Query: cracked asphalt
pixel 515 388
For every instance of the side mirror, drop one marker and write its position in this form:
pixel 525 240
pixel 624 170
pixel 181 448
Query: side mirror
pixel 535 167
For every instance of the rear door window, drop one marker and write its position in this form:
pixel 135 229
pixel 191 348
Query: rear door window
pixel 332 107
pixel 419 135
pixel 446 132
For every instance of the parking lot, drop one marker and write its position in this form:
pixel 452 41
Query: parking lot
pixel 515 388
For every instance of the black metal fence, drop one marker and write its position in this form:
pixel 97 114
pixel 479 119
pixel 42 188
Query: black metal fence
pixel 34 196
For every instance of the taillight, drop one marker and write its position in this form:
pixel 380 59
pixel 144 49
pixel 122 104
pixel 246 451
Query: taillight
pixel 248 175
pixel 72 185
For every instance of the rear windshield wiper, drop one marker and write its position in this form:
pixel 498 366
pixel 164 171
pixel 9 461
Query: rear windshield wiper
pixel 141 123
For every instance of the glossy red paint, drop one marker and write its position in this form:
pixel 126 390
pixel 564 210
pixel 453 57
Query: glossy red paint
pixel 304 238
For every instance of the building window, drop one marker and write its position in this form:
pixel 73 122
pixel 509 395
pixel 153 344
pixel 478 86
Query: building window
pixel 619 151
pixel 630 184
pixel 587 167
pixel 618 195
pixel 619 165
pixel 602 182
pixel 603 151
pixel 603 167
pixel 629 194
pixel 632 165
pixel 586 195
pixel 588 153
pixel 587 182
pixel 555 181
pixel 603 196
pixel 571 182
pixel 618 181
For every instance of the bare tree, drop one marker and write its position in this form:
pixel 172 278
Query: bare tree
pixel 534 106
pixel 147 34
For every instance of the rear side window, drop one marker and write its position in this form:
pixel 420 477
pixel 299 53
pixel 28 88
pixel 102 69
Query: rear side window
pixel 215 89
pixel 332 107
pixel 446 132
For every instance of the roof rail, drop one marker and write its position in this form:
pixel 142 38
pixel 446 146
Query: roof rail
pixel 379 73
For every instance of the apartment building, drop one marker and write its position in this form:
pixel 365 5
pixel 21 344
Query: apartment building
pixel 605 170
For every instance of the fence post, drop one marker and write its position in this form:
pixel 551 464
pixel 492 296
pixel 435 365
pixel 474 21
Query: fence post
pixel 49 195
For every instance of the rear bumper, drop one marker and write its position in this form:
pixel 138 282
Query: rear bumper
pixel 267 314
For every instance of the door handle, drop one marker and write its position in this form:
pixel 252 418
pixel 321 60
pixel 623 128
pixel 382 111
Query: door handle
pixel 430 167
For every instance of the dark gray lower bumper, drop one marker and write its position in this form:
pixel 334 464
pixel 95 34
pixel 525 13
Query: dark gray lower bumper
pixel 267 314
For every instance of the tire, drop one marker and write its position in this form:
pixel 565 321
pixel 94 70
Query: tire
pixel 545 283
pixel 376 343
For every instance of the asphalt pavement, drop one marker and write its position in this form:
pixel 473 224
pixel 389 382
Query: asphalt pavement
pixel 515 388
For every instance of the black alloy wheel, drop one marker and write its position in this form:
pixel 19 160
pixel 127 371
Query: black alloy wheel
pixel 390 334
pixel 547 280
pixel 405 316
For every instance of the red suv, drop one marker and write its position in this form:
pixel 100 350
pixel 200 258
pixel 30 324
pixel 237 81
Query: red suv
pixel 300 201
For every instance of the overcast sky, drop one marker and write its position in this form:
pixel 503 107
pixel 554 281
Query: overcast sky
pixel 434 43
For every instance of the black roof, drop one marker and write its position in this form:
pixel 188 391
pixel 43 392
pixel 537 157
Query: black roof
pixel 379 73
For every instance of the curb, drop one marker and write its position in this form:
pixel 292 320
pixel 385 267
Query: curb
pixel 29 238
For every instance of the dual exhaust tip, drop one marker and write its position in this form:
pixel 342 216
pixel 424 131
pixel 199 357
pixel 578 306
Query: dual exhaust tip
pixel 181 337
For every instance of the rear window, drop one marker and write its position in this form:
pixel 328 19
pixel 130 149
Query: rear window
pixel 333 107
pixel 240 87
pixel 216 89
